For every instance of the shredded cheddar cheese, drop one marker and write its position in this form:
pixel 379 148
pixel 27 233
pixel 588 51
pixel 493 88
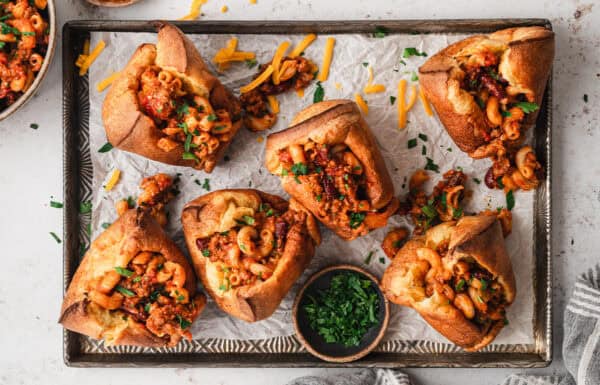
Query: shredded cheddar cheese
pixel 229 54
pixel 252 1
pixel 91 57
pixel 425 102
pixel 412 98
pixel 374 88
pixel 276 63
pixel 327 57
pixel 195 10
pixel 224 9
pixel 86 47
pixel 104 83
pixel 80 60
pixel 113 180
pixel 260 139
pixel 258 81
pixel 338 86
pixel 402 104
pixel 273 103
pixel 361 103
pixel 370 75
pixel 303 45
pixel 300 93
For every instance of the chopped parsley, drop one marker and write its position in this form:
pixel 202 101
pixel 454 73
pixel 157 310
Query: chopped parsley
pixel 299 169
pixel 499 182
pixel 248 220
pixel 183 109
pixel 123 271
pixel 382 260
pixel 476 180
pixel 183 323
pixel 414 77
pixel 431 165
pixel 344 312
pixel 429 211
pixel 505 114
pixel 126 292
pixel 392 100
pixel 369 257
pixel 461 285
pixel 380 32
pixel 211 117
pixel 412 143
pixel 56 205
pixel 35 126
pixel 411 51
pixel 189 156
pixel 85 207
pixel 319 93
pixel 318 198
pixel 105 225
pixel 205 185
pixel 106 147
pixel 527 107
pixel 457 213
pixel 423 150
pixel 205 252
pixel 365 64
pixel 356 219
pixel 423 137
pixel 251 63
pixel 510 200
pixel 585 98
pixel 56 238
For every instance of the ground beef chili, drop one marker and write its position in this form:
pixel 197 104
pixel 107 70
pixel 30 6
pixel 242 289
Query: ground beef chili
pixel 249 252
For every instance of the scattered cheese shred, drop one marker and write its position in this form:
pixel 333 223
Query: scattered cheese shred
pixel 224 9
pixel 273 103
pixel 425 102
pixel 195 10
pixel 258 81
pixel 252 1
pixel 338 86
pixel 113 180
pixel 361 103
pixel 260 139
pixel 86 47
pixel 80 60
pixel 300 93
pixel 92 56
pixel 327 57
pixel 104 83
pixel 412 98
pixel 303 45
pixel 374 88
pixel 229 54
pixel 276 63
pixel 402 104
pixel 370 75
pixel 231 45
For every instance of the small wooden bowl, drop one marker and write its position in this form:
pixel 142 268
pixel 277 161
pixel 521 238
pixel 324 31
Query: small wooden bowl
pixel 112 3
pixel 334 352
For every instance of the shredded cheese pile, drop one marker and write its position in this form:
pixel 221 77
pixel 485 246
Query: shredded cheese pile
pixel 195 10
pixel 371 88
pixel 403 106
pixel 85 60
pixel 228 55
pixel 113 180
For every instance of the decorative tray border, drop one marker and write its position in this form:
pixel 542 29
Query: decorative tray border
pixel 81 351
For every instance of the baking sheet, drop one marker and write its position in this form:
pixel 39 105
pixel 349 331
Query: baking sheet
pixel 245 168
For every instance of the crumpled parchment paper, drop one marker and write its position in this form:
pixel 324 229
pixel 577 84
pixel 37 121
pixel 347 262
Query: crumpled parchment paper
pixel 348 75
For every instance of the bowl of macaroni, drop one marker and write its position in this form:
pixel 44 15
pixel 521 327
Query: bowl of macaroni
pixel 27 43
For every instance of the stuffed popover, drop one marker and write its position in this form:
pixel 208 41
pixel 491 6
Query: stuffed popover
pixel 133 287
pixel 167 106
pixel 458 277
pixel 330 162
pixel 487 90
pixel 248 248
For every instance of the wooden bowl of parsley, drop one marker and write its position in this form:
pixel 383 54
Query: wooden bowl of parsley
pixel 341 314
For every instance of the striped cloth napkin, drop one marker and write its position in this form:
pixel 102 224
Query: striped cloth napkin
pixel 581 347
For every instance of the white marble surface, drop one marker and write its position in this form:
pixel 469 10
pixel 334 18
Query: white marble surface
pixel 31 173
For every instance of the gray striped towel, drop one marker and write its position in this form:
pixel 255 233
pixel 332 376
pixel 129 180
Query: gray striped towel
pixel 581 347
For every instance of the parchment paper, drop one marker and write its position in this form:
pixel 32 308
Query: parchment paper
pixel 348 76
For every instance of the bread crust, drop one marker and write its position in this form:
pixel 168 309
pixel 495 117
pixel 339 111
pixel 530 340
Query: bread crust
pixel 202 217
pixel 126 125
pixel 479 237
pixel 333 122
pixel 526 64
pixel 133 232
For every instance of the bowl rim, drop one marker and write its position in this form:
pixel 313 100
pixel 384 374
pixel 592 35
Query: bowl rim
pixel 367 349
pixel 20 102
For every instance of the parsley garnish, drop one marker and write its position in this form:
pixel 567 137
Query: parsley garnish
pixel 319 93
pixel 251 63
pixel 206 184
pixel 414 76
pixel 56 205
pixel 412 143
pixel 318 198
pixel 211 117
pixel 126 292
pixel 345 311
pixel 423 137
pixel 380 32
pixel 392 100
pixel 369 257
pixel 510 200
pixel 85 207
pixel 429 211
pixel 56 238
pixel 460 285
pixel 205 252
pixel 431 165
pixel 123 271
pixel 183 109
pixel 423 150
pixel 505 114
pixel 411 51
pixel 183 323
pixel 499 182
pixel 476 180
pixel 356 219
pixel 248 219
pixel 527 107
pixel 105 225
pixel 365 64
pixel 457 213
pixel 35 126
pixel 189 156
pixel 299 169
pixel 106 148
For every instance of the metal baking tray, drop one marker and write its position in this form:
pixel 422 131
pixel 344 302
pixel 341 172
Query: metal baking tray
pixel 80 351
